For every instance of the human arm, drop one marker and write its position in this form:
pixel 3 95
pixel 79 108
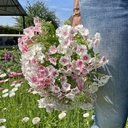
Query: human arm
pixel 76 14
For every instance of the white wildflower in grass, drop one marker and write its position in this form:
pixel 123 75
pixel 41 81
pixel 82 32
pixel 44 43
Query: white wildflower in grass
pixel 2 75
pixel 17 85
pixel 62 115
pixel 6 80
pixel 93 117
pixel 35 120
pixel 86 115
pixel 34 92
pixel 4 109
pixel 2 126
pixel 5 95
pixel 14 89
pixel 25 119
pixel 11 94
pixel 5 91
pixel 13 84
pixel 2 120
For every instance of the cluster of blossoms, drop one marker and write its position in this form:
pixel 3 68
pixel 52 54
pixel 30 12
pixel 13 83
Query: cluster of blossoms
pixel 8 56
pixel 64 73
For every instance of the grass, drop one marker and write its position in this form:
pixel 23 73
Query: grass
pixel 24 104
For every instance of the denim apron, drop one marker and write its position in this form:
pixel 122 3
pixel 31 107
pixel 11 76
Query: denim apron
pixel 110 19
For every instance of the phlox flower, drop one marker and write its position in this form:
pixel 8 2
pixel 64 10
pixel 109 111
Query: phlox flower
pixel 97 39
pixel 65 60
pixel 63 80
pixel 52 49
pixel 83 31
pixel 55 89
pixel 36 20
pixel 103 80
pixel 70 96
pixel 81 50
pixel 29 32
pixel 80 64
pixel 62 115
pixel 93 87
pixel 75 90
pixel 35 120
pixel 52 60
pixel 66 87
pixel 65 31
pixel 104 60
pixel 86 58
pixel 24 48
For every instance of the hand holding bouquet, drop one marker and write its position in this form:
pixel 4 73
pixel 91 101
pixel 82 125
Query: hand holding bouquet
pixel 61 65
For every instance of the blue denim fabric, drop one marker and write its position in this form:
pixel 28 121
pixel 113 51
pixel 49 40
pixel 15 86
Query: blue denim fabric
pixel 110 19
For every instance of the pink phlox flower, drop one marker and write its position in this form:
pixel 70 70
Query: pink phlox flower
pixel 63 80
pixel 66 87
pixel 53 72
pixel 24 49
pixel 96 42
pixel 65 42
pixel 80 64
pixel 104 60
pixel 80 81
pixel 97 39
pixel 44 72
pixel 65 60
pixel 74 76
pixel 55 89
pixel 34 79
pixel 36 21
pixel 83 31
pixel 69 66
pixel 33 61
pixel 65 31
pixel 48 81
pixel 29 31
pixel 52 60
pixel 83 72
pixel 81 50
pixel 37 28
pixel 47 56
pixel 75 90
pixel 86 58
pixel 81 87
pixel 52 49
pixel 22 40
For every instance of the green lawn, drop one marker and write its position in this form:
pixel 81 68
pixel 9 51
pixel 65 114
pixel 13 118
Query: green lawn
pixel 24 104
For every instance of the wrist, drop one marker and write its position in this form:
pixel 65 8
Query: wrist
pixel 76 9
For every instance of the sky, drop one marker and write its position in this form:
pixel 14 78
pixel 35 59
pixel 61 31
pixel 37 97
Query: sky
pixel 63 10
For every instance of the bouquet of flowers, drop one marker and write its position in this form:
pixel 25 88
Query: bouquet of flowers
pixel 61 65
